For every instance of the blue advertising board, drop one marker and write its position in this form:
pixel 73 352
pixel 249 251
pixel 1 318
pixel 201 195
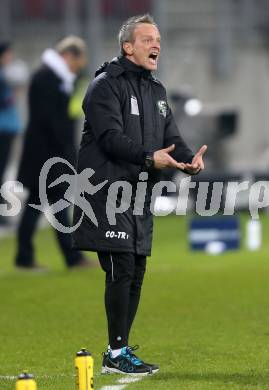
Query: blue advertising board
pixel 206 230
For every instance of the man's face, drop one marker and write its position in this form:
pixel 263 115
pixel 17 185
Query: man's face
pixel 145 48
pixel 75 63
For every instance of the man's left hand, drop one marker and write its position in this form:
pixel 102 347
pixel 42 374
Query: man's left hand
pixel 197 163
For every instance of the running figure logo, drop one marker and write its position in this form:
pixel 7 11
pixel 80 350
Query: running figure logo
pixel 79 184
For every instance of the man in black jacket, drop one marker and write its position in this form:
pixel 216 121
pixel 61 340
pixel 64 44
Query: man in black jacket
pixel 129 129
pixel 50 133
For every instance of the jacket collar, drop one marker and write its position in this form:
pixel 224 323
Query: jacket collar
pixel 121 65
pixel 56 63
pixel 131 67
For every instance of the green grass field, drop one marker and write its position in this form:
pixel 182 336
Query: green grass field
pixel 204 319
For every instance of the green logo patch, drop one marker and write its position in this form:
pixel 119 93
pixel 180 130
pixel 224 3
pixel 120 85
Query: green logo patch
pixel 162 106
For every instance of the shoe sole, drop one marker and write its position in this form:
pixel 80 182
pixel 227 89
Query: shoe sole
pixel 108 370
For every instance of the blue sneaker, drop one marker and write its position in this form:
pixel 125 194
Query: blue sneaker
pixel 153 367
pixel 125 363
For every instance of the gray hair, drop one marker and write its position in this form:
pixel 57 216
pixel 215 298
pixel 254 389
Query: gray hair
pixel 73 45
pixel 127 29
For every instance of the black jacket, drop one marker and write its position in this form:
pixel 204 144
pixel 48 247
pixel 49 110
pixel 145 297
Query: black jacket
pixel 126 117
pixel 50 131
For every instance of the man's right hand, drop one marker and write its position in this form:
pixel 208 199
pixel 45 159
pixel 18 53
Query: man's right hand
pixel 162 159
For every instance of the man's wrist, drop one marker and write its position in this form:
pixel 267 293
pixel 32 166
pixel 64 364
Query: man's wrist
pixel 148 161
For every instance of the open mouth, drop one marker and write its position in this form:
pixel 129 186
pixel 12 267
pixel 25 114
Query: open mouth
pixel 153 57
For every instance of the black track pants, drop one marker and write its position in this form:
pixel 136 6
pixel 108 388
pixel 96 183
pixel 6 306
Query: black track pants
pixel 28 226
pixel 124 278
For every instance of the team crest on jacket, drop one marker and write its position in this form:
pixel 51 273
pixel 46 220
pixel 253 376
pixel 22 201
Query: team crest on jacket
pixel 162 106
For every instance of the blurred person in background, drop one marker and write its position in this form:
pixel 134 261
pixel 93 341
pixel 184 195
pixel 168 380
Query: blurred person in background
pixel 10 123
pixel 50 133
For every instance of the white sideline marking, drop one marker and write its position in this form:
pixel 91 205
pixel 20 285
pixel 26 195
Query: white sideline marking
pixel 113 387
pixel 126 382
pixel 123 382
pixel 129 379
pixel 8 377
pixel 12 377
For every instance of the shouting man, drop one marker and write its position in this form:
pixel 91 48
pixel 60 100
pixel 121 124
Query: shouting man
pixel 129 129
